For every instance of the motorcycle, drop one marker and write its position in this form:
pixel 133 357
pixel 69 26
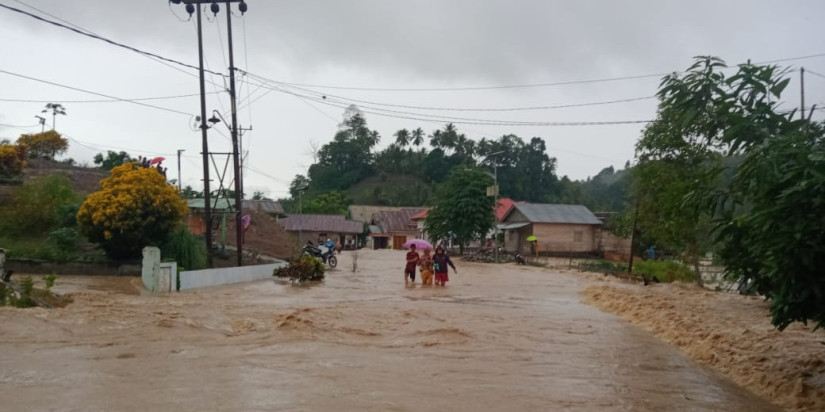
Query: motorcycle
pixel 328 256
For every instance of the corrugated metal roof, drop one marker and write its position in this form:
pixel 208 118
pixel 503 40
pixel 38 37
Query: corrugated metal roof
pixel 396 221
pixel 512 225
pixel 550 213
pixel 266 206
pixel 222 204
pixel 321 223
pixel 365 213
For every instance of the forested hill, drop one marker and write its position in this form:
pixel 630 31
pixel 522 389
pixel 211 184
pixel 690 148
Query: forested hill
pixel 349 170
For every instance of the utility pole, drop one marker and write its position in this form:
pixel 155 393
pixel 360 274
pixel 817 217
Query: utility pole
pixel 42 121
pixel 180 189
pixel 194 6
pixel 495 197
pixel 802 92
pixel 235 151
pixel 633 238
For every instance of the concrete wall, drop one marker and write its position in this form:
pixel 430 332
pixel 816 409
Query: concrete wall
pixel 563 238
pixel 194 279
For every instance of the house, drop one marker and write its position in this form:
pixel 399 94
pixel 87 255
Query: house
pixel 419 219
pixel 317 228
pixel 365 213
pixel 267 206
pixel 393 228
pixel 557 228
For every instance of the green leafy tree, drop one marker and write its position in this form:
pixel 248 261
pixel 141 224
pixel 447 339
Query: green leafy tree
pixel 463 208
pixel 329 203
pixel 135 208
pixel 111 160
pixel 768 221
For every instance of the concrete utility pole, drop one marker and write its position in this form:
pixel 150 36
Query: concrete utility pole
pixel 180 189
pixel 194 6
pixel 802 92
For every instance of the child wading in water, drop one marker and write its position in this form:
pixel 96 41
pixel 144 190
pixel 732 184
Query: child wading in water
pixel 440 262
pixel 426 265
pixel 412 262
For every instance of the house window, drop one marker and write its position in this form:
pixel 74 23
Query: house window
pixel 578 236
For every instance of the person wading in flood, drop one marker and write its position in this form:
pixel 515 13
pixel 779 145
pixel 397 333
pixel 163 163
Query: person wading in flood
pixel 440 262
pixel 412 262
pixel 426 265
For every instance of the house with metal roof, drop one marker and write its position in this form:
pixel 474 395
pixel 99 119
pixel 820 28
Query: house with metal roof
pixel 555 228
pixel 317 228
pixel 393 228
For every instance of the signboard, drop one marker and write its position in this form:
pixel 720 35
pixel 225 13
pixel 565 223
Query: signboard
pixel 492 190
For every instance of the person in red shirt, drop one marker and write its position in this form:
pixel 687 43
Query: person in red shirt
pixel 412 262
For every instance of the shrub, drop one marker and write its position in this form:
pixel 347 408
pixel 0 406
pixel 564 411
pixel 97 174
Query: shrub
pixel 65 240
pixel 34 207
pixel 185 248
pixel 12 160
pixel 135 208
pixel 302 269
pixel 664 270
pixel 602 266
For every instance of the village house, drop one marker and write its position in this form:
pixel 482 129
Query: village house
pixel 557 228
pixel 318 228
pixel 392 228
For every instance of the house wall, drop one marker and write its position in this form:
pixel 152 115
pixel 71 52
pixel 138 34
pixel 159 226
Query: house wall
pixel 555 237
pixel 314 236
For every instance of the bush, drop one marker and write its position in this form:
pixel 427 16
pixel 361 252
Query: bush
pixel 186 249
pixel 302 269
pixel 35 207
pixel 65 240
pixel 135 208
pixel 602 266
pixel 664 270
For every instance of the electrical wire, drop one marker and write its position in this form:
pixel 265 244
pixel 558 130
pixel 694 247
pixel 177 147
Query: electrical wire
pixel 814 73
pixel 102 100
pixel 104 39
pixel 94 93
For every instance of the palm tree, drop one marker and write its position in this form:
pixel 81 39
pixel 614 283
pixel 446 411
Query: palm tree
pixel 402 137
pixel 56 109
pixel 374 138
pixel 435 139
pixel 417 137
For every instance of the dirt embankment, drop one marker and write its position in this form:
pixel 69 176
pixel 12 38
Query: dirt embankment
pixel 264 235
pixel 730 333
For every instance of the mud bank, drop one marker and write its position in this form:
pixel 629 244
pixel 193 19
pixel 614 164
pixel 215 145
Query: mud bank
pixel 730 333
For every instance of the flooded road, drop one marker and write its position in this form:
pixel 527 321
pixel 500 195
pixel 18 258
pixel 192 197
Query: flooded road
pixel 496 338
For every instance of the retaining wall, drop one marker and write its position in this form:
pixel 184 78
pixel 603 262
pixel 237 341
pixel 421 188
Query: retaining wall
pixel 194 279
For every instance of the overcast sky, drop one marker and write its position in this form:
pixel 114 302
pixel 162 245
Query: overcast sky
pixel 386 45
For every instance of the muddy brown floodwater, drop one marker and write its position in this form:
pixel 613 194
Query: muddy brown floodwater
pixel 496 338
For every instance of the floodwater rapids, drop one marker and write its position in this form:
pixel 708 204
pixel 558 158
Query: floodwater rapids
pixel 498 337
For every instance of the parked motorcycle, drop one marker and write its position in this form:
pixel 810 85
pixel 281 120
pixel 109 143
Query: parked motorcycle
pixel 326 255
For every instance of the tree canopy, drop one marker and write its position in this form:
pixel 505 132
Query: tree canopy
pixel 44 145
pixel 463 209
pixel 135 208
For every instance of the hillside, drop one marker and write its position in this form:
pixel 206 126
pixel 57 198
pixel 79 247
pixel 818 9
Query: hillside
pixel 391 190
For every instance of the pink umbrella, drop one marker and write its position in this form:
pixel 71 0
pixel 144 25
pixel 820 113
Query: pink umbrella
pixel 157 160
pixel 419 244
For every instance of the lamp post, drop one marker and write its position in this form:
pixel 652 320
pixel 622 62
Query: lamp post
pixel 193 6
pixel 495 197
pixel 180 188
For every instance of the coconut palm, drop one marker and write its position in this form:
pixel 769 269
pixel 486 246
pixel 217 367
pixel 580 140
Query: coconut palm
pixel 417 137
pixel 402 137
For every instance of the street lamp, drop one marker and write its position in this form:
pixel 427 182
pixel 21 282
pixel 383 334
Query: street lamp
pixel 495 201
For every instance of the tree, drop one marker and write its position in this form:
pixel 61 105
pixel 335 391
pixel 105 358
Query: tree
pixel 44 145
pixel 768 220
pixel 190 193
pixel 135 208
pixel 402 137
pixel 12 160
pixel 258 195
pixel 111 160
pixel 298 184
pixel 330 203
pixel 463 208
pixel 55 109
pixel 417 137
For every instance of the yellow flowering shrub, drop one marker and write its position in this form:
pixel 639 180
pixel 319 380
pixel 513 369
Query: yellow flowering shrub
pixel 46 145
pixel 12 160
pixel 135 208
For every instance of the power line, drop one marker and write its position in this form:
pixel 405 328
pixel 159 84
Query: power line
pixel 103 100
pixel 18 127
pixel 93 93
pixel 814 73
pixel 101 38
